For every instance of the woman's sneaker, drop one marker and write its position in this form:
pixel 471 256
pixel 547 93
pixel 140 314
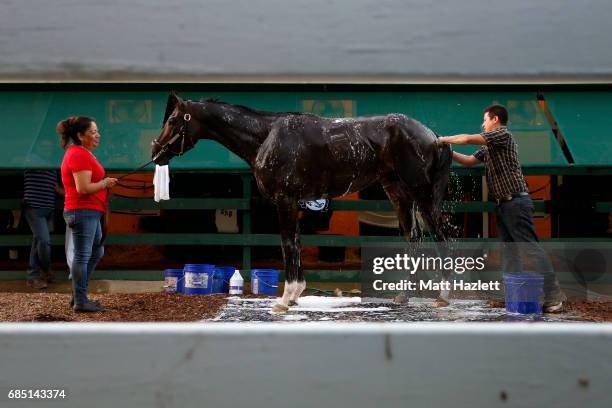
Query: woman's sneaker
pixel 89 307
pixel 90 301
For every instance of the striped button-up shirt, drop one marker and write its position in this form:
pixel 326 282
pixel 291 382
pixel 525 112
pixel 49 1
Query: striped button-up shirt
pixel 502 166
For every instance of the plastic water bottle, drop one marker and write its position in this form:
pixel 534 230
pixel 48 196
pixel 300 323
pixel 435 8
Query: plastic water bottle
pixel 236 284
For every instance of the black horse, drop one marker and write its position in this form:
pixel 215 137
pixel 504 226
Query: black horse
pixel 299 156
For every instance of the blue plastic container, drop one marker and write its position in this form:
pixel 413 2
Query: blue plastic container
pixel 173 281
pixel 264 282
pixel 198 279
pixel 223 274
pixel 524 292
pixel 217 281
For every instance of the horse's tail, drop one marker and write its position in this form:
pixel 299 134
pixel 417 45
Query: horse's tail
pixel 441 172
pixel 445 158
pixel 439 182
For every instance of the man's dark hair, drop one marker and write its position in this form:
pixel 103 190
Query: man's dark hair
pixel 499 111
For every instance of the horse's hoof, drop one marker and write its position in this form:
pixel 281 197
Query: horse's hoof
pixel 292 303
pixel 400 299
pixel 279 308
pixel 440 303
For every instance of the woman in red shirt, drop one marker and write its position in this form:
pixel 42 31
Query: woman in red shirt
pixel 85 203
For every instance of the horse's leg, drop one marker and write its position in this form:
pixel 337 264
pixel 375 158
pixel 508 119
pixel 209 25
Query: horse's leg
pixel 404 205
pixel 423 169
pixel 301 285
pixel 432 216
pixel 290 243
pixel 411 161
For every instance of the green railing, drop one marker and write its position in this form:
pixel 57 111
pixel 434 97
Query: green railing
pixel 246 239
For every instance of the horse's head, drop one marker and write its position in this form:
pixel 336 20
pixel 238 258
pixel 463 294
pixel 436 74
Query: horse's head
pixel 179 134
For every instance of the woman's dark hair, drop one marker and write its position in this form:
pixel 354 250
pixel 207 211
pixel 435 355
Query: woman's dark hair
pixel 69 128
pixel 499 111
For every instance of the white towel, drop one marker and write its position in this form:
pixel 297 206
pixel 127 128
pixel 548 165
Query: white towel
pixel 161 182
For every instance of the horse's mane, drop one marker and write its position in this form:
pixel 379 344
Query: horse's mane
pixel 248 109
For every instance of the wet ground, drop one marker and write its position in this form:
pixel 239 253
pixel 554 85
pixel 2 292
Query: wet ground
pixel 317 308
pixel 160 307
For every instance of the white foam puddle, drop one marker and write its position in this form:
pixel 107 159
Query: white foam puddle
pixel 237 299
pixel 295 317
pixel 337 309
pixel 323 303
pixel 356 309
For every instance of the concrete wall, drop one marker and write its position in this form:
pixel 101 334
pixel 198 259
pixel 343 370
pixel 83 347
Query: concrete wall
pixel 309 40
pixel 309 365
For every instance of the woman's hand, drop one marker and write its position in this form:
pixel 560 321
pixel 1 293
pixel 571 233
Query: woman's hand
pixel 84 185
pixel 109 182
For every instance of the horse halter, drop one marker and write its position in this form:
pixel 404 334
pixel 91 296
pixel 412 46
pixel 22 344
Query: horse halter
pixel 182 133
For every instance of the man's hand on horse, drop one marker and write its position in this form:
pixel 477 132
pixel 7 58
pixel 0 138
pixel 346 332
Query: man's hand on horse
pixel 447 140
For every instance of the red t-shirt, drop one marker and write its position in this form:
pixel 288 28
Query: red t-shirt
pixel 77 159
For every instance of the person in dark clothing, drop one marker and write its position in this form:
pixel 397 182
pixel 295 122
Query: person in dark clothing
pixel 39 190
pixel 507 186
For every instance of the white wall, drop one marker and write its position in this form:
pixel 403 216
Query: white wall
pixel 309 365
pixel 346 40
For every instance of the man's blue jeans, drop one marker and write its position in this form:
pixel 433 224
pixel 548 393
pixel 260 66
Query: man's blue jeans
pixel 88 250
pixel 39 220
pixel 516 229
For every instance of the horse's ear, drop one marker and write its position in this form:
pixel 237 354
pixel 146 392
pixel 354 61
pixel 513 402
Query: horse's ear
pixel 173 102
pixel 177 101
pixel 170 104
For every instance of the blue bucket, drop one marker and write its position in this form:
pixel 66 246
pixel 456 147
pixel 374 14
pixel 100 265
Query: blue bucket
pixel 198 279
pixel 524 292
pixel 173 281
pixel 264 282
pixel 223 274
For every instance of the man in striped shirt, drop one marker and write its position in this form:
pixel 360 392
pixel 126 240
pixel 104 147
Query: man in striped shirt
pixel 39 190
pixel 514 211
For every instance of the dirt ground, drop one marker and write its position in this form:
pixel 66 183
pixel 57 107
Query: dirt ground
pixel 158 307
pixel 138 307
pixel 591 311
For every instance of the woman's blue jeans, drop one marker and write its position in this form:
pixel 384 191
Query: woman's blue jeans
pixel 39 220
pixel 88 250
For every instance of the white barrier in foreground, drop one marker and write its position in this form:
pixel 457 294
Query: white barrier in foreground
pixel 309 364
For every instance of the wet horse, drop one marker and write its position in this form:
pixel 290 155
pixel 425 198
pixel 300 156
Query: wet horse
pixel 299 156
